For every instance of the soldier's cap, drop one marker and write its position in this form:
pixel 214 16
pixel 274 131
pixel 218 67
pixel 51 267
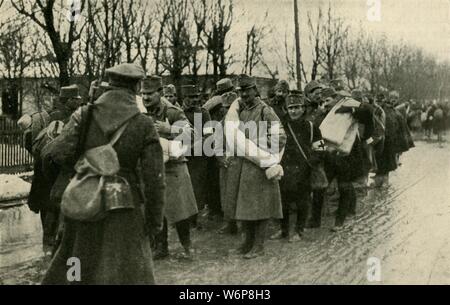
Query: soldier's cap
pixel 338 84
pixel 344 93
pixel 312 86
pixel 224 85
pixel 25 122
pixel 381 96
pixel 245 82
pixel 70 92
pixel 357 95
pixel 328 92
pixel 151 84
pixel 169 90
pixel 190 91
pixel 125 72
pixel 394 94
pixel 296 98
pixel 282 85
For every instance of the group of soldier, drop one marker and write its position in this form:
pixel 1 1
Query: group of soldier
pixel 245 193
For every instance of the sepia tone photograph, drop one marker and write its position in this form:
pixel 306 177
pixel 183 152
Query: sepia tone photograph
pixel 224 142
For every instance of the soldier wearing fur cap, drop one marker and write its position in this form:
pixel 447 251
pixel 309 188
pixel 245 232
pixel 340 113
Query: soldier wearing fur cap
pixel 278 102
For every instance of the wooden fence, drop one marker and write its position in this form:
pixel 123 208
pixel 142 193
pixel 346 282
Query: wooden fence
pixel 14 158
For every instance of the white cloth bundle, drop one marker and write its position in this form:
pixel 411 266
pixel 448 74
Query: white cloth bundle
pixel 339 130
pixel 172 149
pixel 246 148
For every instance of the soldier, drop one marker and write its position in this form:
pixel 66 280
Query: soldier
pixel 256 194
pixel 348 168
pixel 278 102
pixel 49 181
pixel 170 93
pixel 217 167
pixel 197 164
pixel 297 160
pixel 378 136
pixel 315 113
pixel 115 249
pixel 338 85
pixel 171 122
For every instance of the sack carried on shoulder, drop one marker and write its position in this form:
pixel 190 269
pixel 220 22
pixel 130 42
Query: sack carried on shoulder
pixel 96 188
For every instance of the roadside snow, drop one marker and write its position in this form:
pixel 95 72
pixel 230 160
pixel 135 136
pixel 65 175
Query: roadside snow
pixel 12 187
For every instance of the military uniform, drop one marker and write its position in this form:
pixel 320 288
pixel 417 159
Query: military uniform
pixel 198 165
pixel 295 186
pixel 217 168
pixel 45 193
pixel 180 197
pixel 346 169
pixel 257 198
pixel 114 250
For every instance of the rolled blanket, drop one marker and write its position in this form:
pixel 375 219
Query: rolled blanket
pixel 243 147
pixel 172 150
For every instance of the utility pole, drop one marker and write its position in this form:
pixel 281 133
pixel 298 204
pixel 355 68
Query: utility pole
pixel 297 46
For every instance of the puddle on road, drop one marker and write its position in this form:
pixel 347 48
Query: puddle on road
pixel 20 236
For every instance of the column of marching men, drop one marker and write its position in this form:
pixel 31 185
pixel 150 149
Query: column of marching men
pixel 325 138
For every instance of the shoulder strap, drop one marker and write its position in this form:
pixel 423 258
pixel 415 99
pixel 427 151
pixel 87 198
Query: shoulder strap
pixel 85 123
pixel 312 131
pixel 118 133
pixel 298 144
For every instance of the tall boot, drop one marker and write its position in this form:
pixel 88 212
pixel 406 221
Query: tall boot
pixel 344 204
pixel 317 206
pixel 249 237
pixel 161 243
pixel 260 236
pixel 184 235
pixel 352 201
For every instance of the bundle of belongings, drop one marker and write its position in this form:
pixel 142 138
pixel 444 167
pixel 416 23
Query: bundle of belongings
pixel 339 130
pixel 246 148
pixel 171 149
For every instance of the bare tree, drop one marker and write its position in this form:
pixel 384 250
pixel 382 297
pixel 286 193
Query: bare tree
pixel 42 13
pixel 163 11
pixel 315 33
pixel 176 57
pixel 352 62
pixel 105 27
pixel 199 10
pixel 253 49
pixel 334 35
pixel 143 33
pixel 218 25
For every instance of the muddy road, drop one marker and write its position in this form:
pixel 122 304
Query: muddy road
pixel 404 229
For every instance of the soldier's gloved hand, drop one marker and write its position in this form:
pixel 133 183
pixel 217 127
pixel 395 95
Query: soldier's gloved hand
pixel 344 109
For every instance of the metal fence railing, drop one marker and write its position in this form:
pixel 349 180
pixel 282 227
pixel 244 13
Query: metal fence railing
pixel 14 158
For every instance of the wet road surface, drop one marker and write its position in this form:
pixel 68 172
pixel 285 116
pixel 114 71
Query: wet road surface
pixel 404 228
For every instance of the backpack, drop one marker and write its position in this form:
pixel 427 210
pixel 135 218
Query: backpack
pixel 46 136
pixel 96 188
